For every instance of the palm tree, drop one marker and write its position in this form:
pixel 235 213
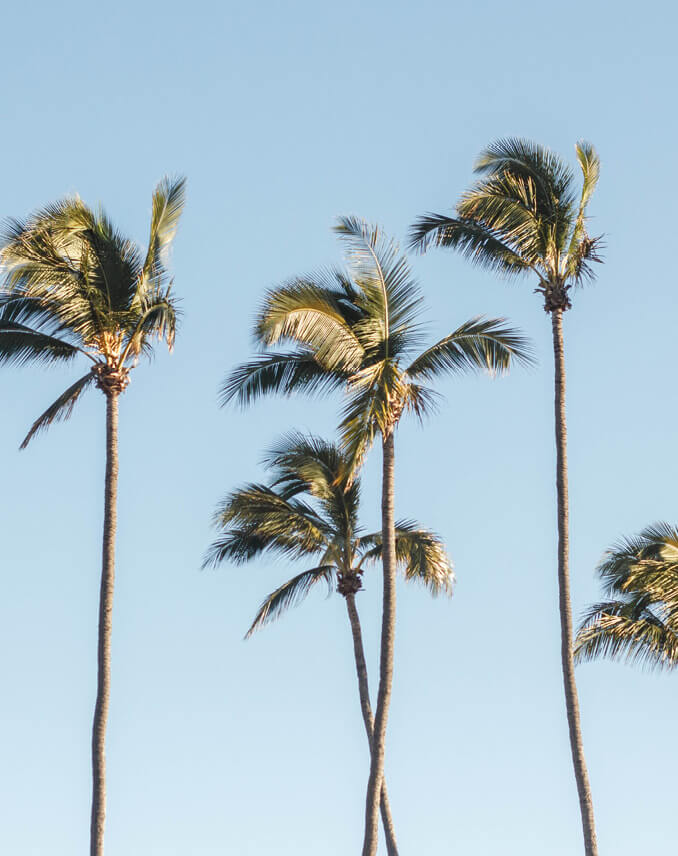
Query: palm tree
pixel 361 330
pixel 310 511
pixel 525 216
pixel 76 288
pixel 639 621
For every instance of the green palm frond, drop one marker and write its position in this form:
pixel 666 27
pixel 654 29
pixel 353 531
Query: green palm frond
pixel 20 344
pixel 640 621
pixel 475 241
pixel 290 594
pixel 621 630
pixel 485 344
pixel 283 373
pixel 306 312
pixel 389 295
pixel 61 409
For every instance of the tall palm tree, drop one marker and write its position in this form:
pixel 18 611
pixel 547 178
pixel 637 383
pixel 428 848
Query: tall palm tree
pixel 75 288
pixel 639 621
pixel 526 216
pixel 310 510
pixel 361 330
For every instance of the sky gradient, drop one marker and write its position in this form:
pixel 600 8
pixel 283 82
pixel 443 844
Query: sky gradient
pixel 283 116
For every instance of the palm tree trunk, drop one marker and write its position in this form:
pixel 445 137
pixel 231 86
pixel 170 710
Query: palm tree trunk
pixel 368 719
pixel 571 698
pixel 371 839
pixel 105 625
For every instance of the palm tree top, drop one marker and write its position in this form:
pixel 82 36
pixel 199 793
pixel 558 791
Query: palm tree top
pixel 362 329
pixel 309 510
pixel 524 214
pixel 75 286
pixel 639 620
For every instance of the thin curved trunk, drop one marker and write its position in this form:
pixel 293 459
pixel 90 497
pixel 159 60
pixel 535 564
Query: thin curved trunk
pixel 571 698
pixel 371 839
pixel 368 719
pixel 105 626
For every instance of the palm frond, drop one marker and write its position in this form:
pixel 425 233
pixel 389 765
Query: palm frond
pixel 61 409
pixel 481 344
pixel 20 344
pixel 475 241
pixel 420 553
pixel 621 630
pixel 391 297
pixel 290 594
pixel 283 373
pixel 168 203
pixel 305 312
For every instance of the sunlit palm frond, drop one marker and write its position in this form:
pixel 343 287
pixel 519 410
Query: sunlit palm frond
pixel 390 296
pixel 168 203
pixel 305 312
pixel 290 594
pixel 61 409
pixel 420 553
pixel 481 344
pixel 626 630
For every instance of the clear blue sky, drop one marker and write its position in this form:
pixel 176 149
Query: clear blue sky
pixel 283 115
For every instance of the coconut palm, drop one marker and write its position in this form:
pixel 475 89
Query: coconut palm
pixel 76 289
pixel 361 330
pixel 309 511
pixel 526 216
pixel 639 621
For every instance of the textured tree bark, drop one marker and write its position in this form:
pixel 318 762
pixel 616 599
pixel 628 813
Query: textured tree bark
pixel 371 839
pixel 105 626
pixel 368 719
pixel 571 698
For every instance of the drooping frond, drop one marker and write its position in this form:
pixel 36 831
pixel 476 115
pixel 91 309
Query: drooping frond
pixel 475 241
pixel 420 554
pixel 628 631
pixel 481 344
pixel 282 373
pixel 290 594
pixel 61 409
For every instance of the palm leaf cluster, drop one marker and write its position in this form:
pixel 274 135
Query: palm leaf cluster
pixel 74 286
pixel 309 511
pixel 361 330
pixel 525 214
pixel 638 622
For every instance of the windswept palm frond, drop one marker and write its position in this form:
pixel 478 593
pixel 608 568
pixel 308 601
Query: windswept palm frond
pixel 20 344
pixel 290 594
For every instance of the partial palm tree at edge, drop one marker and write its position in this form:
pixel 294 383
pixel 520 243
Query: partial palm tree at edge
pixel 76 288
pixel 638 623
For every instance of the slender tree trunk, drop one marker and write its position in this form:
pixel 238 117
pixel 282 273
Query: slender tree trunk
pixel 105 625
pixel 571 698
pixel 368 719
pixel 371 839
